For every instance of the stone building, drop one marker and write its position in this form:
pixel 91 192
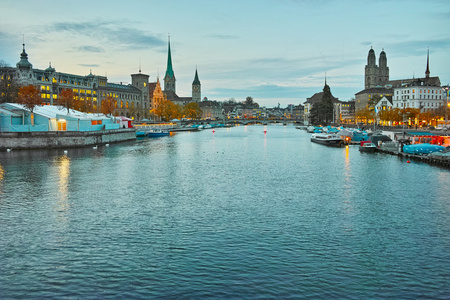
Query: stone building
pixel 376 75
pixel 131 99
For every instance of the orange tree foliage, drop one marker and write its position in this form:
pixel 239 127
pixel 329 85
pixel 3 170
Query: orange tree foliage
pixel 29 97
pixel 108 106
pixel 364 115
pixel 192 110
pixel 84 106
pixel 168 110
pixel 67 100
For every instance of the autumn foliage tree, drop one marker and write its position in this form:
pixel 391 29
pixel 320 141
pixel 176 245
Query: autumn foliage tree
pixel 66 99
pixel 192 110
pixel 167 110
pixel 29 97
pixel 108 106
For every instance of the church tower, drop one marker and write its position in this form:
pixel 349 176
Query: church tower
pixel 169 79
pixel 196 89
pixel 371 71
pixel 383 69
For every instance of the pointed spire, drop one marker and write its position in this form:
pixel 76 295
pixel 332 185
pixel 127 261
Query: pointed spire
pixel 325 78
pixel 427 71
pixel 139 65
pixel 169 70
pixel 196 80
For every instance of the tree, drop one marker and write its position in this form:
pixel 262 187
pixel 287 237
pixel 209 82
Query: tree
pixel 66 99
pixel 192 110
pixel 29 97
pixel 167 110
pixel 108 106
pixel 84 106
pixel 250 103
pixel 322 111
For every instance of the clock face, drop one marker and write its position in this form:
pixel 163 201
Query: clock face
pixel 195 88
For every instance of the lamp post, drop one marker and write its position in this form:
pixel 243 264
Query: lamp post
pixel 446 89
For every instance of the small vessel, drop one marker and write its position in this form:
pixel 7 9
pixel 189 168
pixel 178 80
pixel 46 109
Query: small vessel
pixel 157 133
pixel 367 146
pixel 327 139
pixel 140 134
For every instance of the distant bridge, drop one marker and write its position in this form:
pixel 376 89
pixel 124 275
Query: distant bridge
pixel 242 121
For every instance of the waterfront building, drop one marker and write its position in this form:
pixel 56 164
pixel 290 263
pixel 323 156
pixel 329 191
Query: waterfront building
pixel 211 110
pixel 363 97
pixel 348 112
pixel 423 93
pixel 131 99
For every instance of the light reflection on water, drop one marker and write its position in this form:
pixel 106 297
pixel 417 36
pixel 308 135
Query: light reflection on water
pixel 231 214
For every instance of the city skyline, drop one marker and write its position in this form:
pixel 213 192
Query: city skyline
pixel 273 51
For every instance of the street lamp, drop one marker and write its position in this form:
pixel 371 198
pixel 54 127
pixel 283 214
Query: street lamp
pixel 446 89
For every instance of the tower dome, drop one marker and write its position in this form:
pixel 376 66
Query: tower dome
pixel 24 63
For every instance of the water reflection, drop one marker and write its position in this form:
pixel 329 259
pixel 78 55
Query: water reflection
pixel 62 204
pixel 2 174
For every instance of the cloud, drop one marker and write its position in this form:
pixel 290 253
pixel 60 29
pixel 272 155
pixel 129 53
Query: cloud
pixel 223 36
pixel 90 49
pixel 89 65
pixel 419 47
pixel 113 33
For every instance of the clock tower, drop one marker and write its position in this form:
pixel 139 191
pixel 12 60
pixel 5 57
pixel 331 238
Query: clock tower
pixel 196 89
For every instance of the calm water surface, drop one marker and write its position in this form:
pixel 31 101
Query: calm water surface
pixel 230 214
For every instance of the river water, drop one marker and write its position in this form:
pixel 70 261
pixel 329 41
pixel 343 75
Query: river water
pixel 234 213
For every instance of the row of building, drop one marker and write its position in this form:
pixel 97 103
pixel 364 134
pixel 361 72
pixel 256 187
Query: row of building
pixel 133 100
pixel 424 93
pixel 139 98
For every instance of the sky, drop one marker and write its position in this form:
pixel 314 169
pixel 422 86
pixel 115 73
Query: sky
pixel 276 51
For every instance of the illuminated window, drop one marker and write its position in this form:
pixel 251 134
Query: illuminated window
pixel 43 96
pixel 55 96
pixel 121 104
pixel 127 104
pixel 54 80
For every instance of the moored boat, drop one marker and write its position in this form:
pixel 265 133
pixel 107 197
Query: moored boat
pixel 367 146
pixel 157 133
pixel 327 139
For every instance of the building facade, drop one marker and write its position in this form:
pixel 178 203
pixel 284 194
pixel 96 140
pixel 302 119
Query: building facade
pixel 131 99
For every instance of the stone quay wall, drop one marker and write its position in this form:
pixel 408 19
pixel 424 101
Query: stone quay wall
pixel 63 139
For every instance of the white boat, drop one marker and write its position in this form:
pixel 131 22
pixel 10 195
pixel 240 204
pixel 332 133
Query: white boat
pixel 366 146
pixel 327 139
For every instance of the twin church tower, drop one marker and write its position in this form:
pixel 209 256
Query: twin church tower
pixel 376 75
pixel 170 83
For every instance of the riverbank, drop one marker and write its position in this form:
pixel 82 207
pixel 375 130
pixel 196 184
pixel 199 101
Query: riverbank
pixel 63 139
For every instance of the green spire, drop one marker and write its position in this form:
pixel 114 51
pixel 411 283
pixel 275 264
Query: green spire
pixel 169 71
pixel 196 81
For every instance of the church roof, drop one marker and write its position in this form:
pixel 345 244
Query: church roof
pixel 318 97
pixel 172 96
pixel 375 90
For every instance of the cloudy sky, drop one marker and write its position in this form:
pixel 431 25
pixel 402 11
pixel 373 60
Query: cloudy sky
pixel 276 51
